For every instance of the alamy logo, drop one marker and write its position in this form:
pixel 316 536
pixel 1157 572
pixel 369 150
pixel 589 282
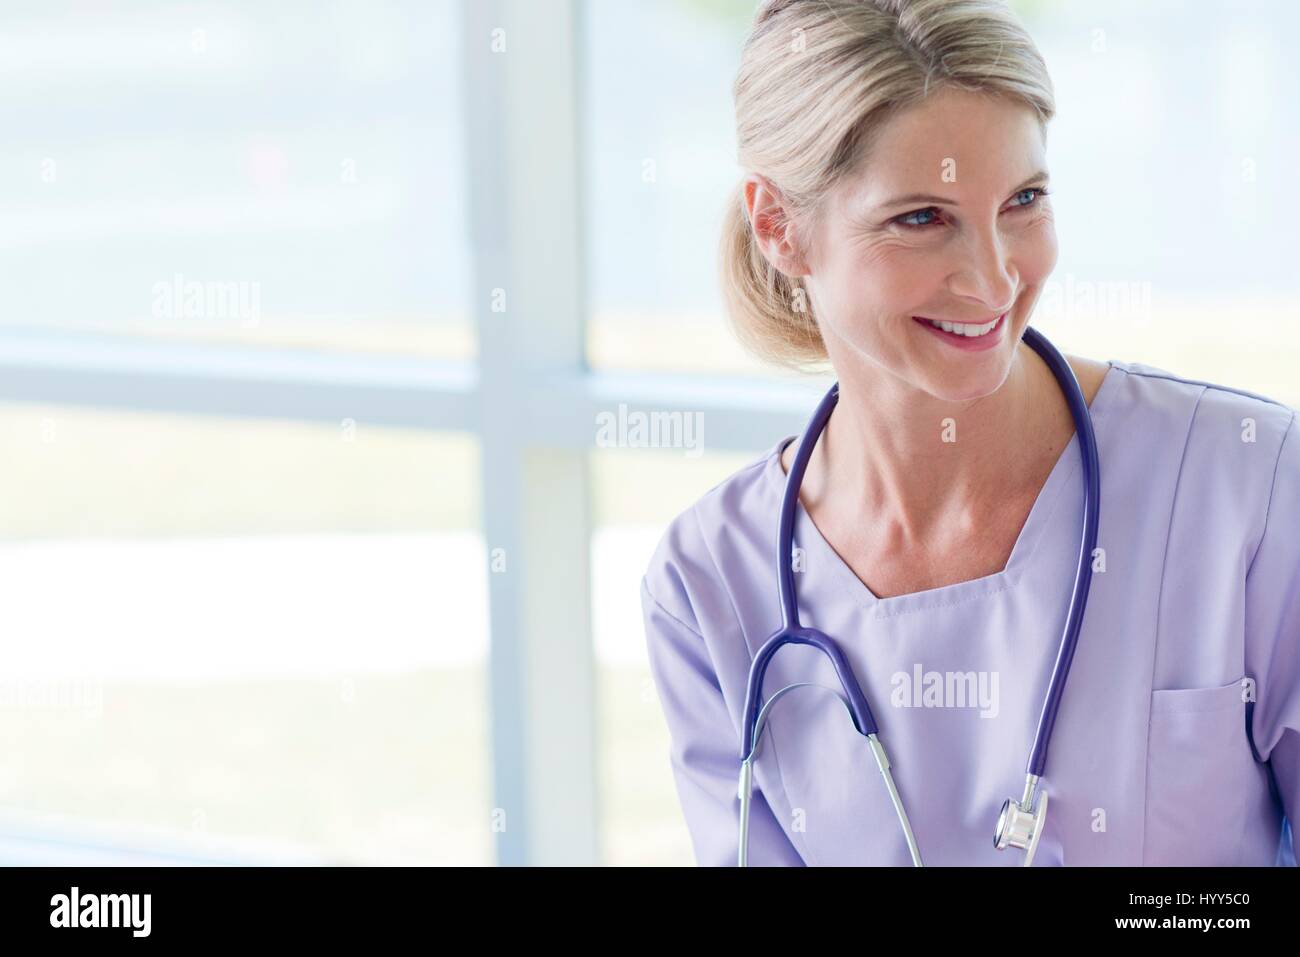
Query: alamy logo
pixel 650 430
pixel 946 689
pixel 213 299
pixel 101 910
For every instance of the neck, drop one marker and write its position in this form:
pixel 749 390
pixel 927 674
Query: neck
pixel 926 467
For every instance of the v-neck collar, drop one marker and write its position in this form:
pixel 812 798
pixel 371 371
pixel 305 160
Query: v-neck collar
pixel 822 555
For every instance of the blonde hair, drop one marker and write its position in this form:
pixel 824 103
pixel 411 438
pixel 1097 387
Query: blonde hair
pixel 817 79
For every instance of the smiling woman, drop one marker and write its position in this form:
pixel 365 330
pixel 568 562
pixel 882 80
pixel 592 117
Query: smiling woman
pixel 922 321
pixel 894 220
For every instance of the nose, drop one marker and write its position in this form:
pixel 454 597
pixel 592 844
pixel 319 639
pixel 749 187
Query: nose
pixel 986 277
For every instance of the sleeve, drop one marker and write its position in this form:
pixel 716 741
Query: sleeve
pixel 704 750
pixel 1273 632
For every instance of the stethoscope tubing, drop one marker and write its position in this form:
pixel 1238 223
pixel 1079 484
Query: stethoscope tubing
pixel 792 630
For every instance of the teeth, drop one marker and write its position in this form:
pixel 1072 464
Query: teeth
pixel 964 328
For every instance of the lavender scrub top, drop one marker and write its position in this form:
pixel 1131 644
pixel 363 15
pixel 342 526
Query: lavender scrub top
pixel 1178 736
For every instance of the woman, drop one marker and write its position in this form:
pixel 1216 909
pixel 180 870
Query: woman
pixel 895 220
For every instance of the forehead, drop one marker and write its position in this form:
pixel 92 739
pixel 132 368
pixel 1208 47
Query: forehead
pixel 955 140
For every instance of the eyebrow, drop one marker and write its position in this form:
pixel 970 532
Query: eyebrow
pixel 1040 176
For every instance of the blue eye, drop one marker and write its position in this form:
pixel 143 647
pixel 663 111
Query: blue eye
pixel 919 212
pixel 1037 191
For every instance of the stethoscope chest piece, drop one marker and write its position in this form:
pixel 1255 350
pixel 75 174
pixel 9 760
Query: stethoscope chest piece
pixel 1020 825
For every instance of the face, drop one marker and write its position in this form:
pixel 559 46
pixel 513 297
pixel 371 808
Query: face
pixel 948 220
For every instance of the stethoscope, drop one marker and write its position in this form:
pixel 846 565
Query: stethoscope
pixel 1020 824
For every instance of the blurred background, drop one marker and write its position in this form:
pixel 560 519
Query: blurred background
pixel 310 549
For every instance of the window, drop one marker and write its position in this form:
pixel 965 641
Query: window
pixel 270 174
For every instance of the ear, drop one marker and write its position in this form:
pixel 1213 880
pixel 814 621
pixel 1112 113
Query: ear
pixel 773 232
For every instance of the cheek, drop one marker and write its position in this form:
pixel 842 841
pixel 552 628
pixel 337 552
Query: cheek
pixel 1036 252
pixel 874 293
pixel 855 280
pixel 861 281
pixel 903 278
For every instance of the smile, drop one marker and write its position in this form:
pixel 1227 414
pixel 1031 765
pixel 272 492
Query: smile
pixel 970 330
pixel 967 336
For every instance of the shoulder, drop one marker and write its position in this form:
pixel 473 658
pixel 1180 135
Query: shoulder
pixel 713 540
pixel 1225 448
pixel 1163 398
pixel 1090 373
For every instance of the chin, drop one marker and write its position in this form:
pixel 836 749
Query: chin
pixel 967 383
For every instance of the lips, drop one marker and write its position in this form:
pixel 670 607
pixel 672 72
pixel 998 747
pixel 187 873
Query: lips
pixel 964 328
pixel 963 322
pixel 967 336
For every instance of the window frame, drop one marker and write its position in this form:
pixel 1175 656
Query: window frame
pixel 530 398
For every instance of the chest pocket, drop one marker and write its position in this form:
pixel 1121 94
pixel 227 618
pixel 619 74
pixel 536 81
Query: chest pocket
pixel 1201 776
